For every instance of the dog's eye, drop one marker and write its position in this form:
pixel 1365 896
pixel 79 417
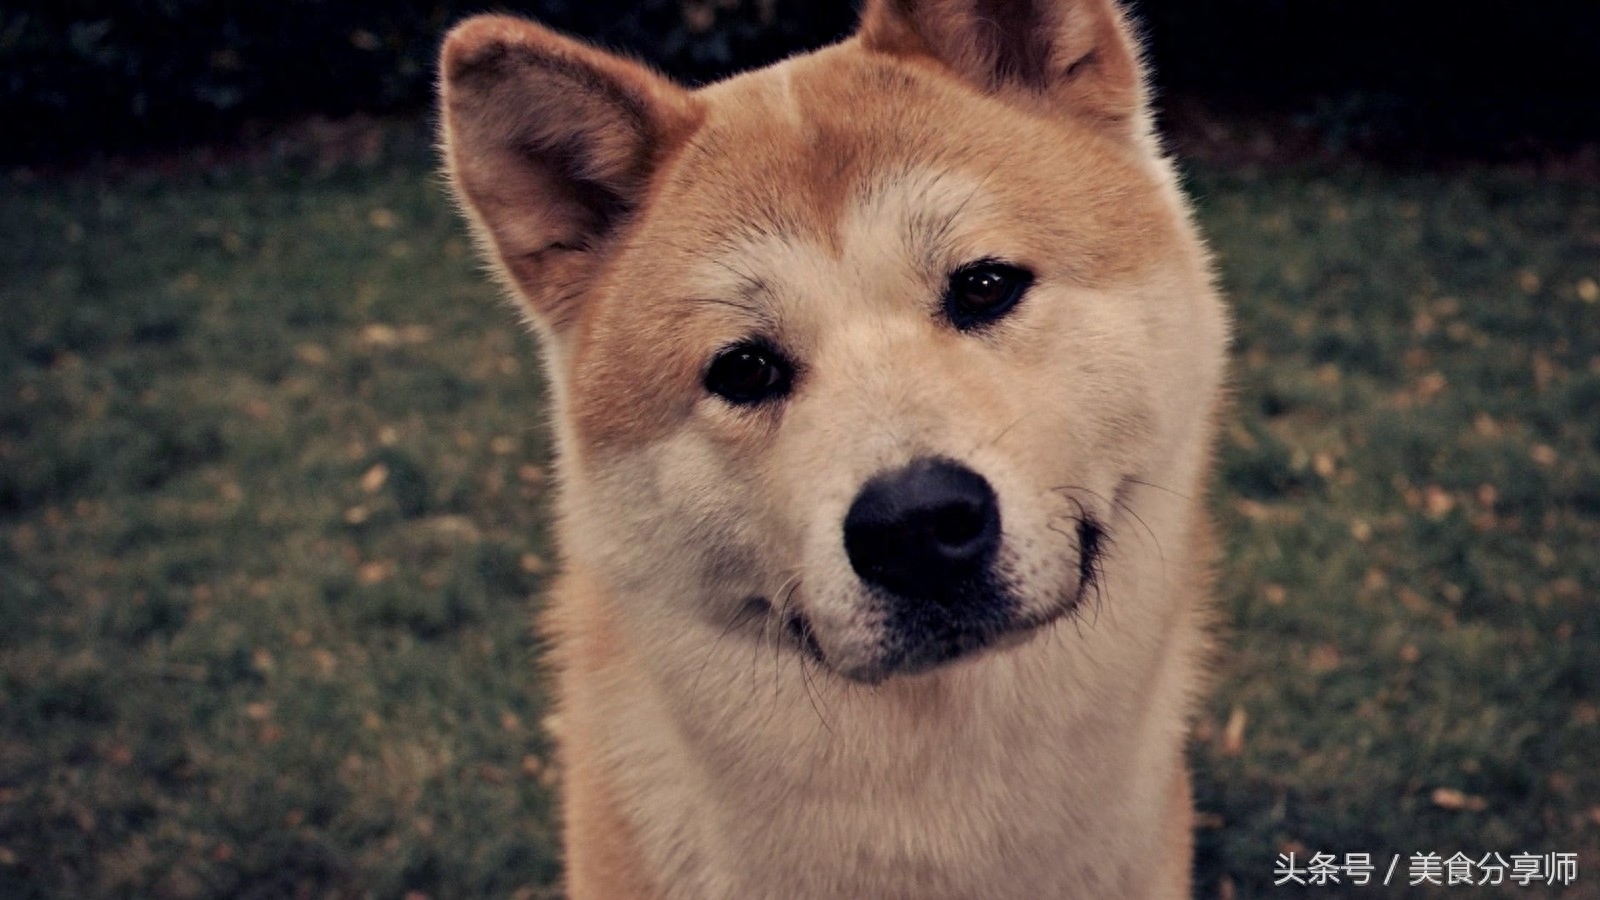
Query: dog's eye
pixel 747 374
pixel 984 291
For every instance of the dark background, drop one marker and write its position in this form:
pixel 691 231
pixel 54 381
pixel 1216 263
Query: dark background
pixel 84 78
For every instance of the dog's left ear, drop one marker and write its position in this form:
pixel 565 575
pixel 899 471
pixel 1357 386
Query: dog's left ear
pixel 1077 56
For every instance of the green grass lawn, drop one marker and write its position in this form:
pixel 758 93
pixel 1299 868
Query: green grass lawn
pixel 273 523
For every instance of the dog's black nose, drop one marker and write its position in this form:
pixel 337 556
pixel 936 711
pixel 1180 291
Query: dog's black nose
pixel 926 530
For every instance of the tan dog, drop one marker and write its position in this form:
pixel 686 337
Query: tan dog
pixel 885 382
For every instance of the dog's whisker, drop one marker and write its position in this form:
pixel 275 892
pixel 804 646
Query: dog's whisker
pixel 1150 484
pixel 1118 503
pixel 758 648
pixel 811 695
pixel 776 635
pixel 748 610
pixel 770 641
pixel 1075 616
pixel 1001 434
pixel 741 306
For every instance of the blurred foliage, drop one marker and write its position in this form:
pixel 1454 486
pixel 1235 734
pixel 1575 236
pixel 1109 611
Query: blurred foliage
pixel 111 75
pixel 1398 77
pixel 88 76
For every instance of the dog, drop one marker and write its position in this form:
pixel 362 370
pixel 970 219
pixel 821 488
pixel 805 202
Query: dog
pixel 885 381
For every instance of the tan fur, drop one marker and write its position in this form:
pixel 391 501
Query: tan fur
pixel 602 860
pixel 820 204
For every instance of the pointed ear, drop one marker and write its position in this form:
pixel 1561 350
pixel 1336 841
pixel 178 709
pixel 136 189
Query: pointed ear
pixel 550 146
pixel 1076 55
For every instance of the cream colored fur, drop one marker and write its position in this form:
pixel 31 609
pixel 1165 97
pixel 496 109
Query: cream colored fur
pixel 821 202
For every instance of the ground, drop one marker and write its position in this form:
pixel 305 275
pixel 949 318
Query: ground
pixel 273 512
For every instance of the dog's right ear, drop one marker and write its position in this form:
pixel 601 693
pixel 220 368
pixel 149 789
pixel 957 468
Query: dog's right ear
pixel 1078 55
pixel 550 146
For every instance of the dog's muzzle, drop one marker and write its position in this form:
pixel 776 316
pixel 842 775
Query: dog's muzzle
pixel 924 539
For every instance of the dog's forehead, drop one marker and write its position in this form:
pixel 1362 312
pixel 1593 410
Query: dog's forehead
pixel 789 149
pixel 800 152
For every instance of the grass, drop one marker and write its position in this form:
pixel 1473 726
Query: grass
pixel 1411 496
pixel 272 526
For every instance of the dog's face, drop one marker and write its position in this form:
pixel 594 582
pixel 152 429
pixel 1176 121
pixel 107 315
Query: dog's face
pixel 862 350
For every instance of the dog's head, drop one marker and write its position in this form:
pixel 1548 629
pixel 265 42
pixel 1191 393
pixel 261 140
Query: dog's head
pixel 864 347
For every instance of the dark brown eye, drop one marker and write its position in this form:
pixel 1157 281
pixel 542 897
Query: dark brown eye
pixel 747 374
pixel 984 291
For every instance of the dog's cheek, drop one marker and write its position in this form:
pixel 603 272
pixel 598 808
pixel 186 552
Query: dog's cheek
pixel 1083 424
pixel 690 511
pixel 1106 365
pixel 632 384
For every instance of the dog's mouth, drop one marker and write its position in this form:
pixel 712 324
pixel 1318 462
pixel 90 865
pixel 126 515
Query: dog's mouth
pixel 918 636
pixel 799 630
pixel 1091 558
